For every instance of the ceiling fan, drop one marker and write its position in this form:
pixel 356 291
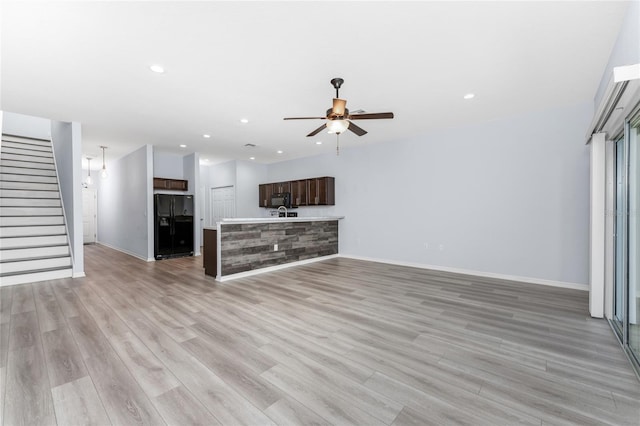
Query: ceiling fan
pixel 338 118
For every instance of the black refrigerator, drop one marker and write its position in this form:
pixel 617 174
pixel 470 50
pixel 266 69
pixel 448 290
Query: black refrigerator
pixel 173 233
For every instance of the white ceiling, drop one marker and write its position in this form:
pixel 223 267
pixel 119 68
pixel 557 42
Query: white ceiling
pixel 89 62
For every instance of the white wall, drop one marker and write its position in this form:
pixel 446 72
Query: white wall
pixel 626 50
pixel 508 197
pixel 244 176
pixel 26 125
pixel 248 176
pixel 67 144
pixel 125 204
pixel 215 176
pixel 167 165
pixel 192 175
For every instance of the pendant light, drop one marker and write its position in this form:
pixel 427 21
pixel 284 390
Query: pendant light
pixel 89 180
pixel 103 173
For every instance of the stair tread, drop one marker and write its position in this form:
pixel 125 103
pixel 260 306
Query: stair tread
pixel 33 271
pixel 33 247
pixel 24 137
pixel 36 236
pixel 26 259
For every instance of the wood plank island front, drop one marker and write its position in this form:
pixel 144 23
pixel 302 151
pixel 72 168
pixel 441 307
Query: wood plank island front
pixel 246 246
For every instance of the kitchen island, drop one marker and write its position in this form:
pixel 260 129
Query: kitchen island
pixel 245 246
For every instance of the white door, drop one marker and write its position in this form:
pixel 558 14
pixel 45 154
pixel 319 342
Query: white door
pixel 223 204
pixel 89 215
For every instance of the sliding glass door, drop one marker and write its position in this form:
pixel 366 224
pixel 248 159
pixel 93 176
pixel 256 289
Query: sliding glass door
pixel 633 295
pixel 620 282
pixel 626 224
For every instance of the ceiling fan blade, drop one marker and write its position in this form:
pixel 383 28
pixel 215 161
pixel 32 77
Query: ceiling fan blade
pixel 339 106
pixel 371 116
pixel 304 118
pixel 316 131
pixel 357 129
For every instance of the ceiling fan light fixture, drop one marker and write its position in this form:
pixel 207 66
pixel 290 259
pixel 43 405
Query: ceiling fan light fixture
pixel 337 126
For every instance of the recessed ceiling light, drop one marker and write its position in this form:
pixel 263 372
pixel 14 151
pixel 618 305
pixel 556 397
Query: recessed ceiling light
pixel 319 143
pixel 182 145
pixel 252 158
pixel 469 96
pixel 206 136
pixel 280 151
pixel 244 120
pixel 157 68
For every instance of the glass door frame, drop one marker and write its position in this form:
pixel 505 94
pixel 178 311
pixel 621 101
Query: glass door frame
pixel 631 122
pixel 621 250
pixel 622 330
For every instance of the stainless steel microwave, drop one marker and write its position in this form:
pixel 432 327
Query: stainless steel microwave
pixel 281 199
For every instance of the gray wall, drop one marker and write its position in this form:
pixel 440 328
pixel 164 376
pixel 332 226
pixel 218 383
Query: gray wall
pixel 125 204
pixel 67 144
pixel 507 197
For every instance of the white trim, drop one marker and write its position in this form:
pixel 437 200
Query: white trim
pixel 273 268
pixel 597 241
pixel 78 275
pixel 609 228
pixel 528 280
pixel 150 259
pixel 626 73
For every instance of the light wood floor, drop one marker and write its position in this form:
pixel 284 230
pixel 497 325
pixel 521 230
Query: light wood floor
pixel 337 342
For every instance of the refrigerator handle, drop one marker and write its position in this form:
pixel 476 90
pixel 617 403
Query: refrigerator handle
pixel 172 217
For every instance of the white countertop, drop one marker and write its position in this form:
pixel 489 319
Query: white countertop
pixel 238 220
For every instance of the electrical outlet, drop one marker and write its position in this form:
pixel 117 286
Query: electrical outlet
pixel 275 247
pixel 441 247
pixel 426 246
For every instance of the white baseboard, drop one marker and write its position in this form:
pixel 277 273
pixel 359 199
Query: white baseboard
pixel 126 252
pixel 273 268
pixel 78 275
pixel 529 280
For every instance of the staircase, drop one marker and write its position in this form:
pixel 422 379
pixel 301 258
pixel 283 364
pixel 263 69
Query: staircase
pixel 33 236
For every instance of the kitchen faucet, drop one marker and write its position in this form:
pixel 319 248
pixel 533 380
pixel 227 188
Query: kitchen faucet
pixel 285 211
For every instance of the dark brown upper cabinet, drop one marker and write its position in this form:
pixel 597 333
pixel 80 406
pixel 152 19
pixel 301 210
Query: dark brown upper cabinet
pixel 304 192
pixel 170 184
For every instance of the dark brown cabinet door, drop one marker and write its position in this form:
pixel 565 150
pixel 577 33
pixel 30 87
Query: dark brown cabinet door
pixel 299 192
pixel 280 187
pixel 210 252
pixel 265 190
pixel 321 191
pixel 178 185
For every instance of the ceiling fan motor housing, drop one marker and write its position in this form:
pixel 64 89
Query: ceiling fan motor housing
pixel 332 116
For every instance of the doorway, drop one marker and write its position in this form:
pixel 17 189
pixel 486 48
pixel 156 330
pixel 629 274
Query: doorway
pixel 222 204
pixel 89 216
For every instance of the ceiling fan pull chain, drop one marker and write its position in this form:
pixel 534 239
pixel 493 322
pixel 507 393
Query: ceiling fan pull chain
pixel 337 144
